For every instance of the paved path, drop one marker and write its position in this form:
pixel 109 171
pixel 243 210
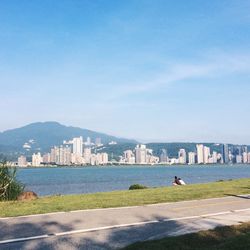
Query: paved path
pixel 118 227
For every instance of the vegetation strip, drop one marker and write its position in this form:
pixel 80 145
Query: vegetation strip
pixel 124 198
pixel 223 238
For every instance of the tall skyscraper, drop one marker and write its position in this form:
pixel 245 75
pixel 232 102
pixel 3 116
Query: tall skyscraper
pixel 215 157
pixel 206 154
pixel 164 156
pixel 200 154
pixel 191 158
pixel 248 157
pixel 225 153
pixel 182 156
pixel 36 160
pixel 22 162
pixel 141 154
pixel 87 154
pixel 78 146
pixel 129 157
pixel 244 157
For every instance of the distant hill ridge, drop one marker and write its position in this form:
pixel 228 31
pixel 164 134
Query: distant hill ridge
pixel 48 134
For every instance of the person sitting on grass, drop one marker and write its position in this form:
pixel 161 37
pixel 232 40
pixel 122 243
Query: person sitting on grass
pixel 178 181
pixel 181 181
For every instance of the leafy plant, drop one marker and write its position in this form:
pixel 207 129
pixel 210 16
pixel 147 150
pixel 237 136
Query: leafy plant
pixel 10 187
pixel 137 186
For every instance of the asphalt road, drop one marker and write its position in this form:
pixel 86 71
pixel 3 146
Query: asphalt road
pixel 118 227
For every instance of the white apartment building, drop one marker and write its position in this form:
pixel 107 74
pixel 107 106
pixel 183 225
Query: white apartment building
pixel 46 158
pixel 22 162
pixel 248 157
pixel 129 157
pixel 182 156
pixel 78 145
pixel 36 160
pixel 206 155
pixel 200 154
pixel 215 157
pixel 238 159
pixel 87 155
pixel 77 159
pixel 141 154
pixel 191 158
pixel 244 157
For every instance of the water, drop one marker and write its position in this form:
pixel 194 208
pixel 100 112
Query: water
pixel 72 180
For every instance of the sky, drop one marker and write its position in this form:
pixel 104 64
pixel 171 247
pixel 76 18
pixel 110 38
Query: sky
pixel 151 70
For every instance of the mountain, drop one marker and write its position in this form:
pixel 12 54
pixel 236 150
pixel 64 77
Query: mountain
pixel 44 135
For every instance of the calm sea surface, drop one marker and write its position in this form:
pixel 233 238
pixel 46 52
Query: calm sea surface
pixel 72 180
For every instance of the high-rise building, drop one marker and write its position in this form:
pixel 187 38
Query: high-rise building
pixel 36 160
pixel 191 158
pixel 129 157
pixel 22 162
pixel 206 154
pixel 164 156
pixel 248 157
pixel 64 156
pixel 200 154
pixel 244 157
pixel 87 154
pixel 54 155
pixel 46 158
pixel 239 159
pixel 105 158
pixel 141 154
pixel 78 146
pixel 244 149
pixel 182 156
pixel 225 153
pixel 215 157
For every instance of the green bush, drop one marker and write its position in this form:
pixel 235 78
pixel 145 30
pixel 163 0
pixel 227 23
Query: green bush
pixel 137 186
pixel 10 187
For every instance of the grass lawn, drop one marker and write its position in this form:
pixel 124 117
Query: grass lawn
pixel 125 198
pixel 223 238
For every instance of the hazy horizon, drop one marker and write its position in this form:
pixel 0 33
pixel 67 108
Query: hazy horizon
pixel 139 140
pixel 142 69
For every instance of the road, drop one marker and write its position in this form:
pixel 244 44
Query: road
pixel 117 227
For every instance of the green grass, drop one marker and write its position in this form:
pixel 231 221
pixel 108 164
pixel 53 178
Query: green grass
pixel 124 198
pixel 223 238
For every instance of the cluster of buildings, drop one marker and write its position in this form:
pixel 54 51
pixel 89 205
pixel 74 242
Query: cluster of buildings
pixel 75 152
pixel 78 152
pixel 202 155
pixel 140 155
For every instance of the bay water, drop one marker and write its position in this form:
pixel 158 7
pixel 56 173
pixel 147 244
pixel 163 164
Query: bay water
pixel 78 180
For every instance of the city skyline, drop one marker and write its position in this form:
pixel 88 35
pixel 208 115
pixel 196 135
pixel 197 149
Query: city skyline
pixel 147 70
pixel 78 152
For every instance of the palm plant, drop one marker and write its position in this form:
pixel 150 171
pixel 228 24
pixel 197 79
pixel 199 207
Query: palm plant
pixel 10 187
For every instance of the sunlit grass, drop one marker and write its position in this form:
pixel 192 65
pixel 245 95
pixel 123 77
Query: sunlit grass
pixel 125 198
pixel 223 238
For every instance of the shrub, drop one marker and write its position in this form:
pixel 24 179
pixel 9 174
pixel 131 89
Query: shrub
pixel 10 187
pixel 137 186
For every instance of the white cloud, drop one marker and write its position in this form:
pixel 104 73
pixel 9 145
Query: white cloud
pixel 220 65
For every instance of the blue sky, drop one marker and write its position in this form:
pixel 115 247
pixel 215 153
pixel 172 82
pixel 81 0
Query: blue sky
pixel 154 70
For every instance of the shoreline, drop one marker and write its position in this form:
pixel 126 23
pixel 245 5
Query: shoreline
pixel 133 165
